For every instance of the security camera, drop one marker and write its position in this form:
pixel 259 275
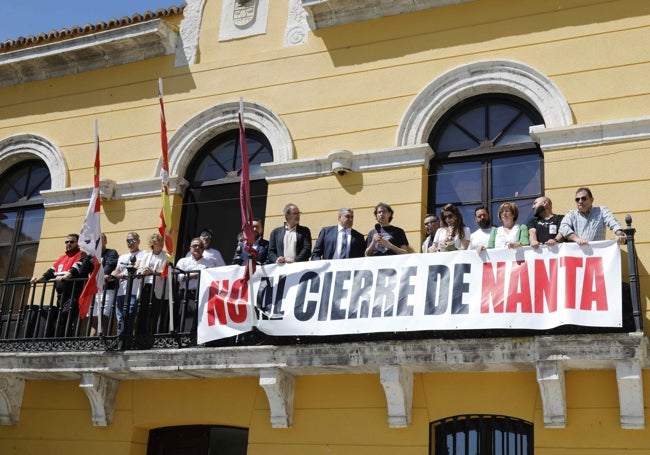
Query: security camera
pixel 341 170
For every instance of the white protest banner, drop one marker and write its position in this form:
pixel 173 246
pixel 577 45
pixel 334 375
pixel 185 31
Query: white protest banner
pixel 462 290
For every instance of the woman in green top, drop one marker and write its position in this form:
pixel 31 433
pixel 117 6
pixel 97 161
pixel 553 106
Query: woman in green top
pixel 511 234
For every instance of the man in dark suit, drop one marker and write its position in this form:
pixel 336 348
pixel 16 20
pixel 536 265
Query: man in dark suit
pixel 291 242
pixel 340 241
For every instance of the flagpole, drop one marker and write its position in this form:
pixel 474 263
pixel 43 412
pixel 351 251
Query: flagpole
pixel 165 188
pixel 100 315
pixel 249 262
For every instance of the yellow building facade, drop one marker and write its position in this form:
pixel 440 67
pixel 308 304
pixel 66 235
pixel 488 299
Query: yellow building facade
pixel 349 96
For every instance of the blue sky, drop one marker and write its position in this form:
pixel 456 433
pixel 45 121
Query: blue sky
pixel 31 17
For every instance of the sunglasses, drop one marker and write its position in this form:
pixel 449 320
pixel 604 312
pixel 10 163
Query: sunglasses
pixel 197 246
pixel 581 199
pixel 70 242
pixel 131 241
pixel 448 216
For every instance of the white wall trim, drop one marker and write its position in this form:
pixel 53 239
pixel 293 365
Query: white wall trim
pixel 365 161
pixel 590 134
pixel 190 32
pixel 490 76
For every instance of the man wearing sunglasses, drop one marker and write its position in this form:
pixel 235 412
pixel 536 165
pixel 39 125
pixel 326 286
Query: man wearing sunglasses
pixel 587 223
pixel 66 272
pixel 125 263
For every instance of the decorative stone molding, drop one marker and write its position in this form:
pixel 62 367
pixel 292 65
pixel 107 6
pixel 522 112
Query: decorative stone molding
pixel 490 76
pixel 21 147
pixel 372 160
pixel 630 394
pixel 394 360
pixel 243 18
pixel 397 382
pixel 550 377
pixel 278 386
pixel 297 28
pixel 192 135
pixel 11 399
pixel 104 49
pixel 129 189
pixel 101 392
pixel 609 132
pixel 190 31
pixel 328 13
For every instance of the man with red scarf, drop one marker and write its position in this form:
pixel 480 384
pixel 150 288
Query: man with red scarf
pixel 74 263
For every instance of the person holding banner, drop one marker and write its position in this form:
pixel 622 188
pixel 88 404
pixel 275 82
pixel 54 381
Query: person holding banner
pixel 481 236
pixel 453 235
pixel 189 273
pixel 291 242
pixel 260 245
pixel 510 234
pixel 544 226
pixel 431 226
pixel 587 223
pixel 385 239
pixel 340 241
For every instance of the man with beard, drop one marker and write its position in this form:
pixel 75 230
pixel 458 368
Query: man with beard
pixel 479 238
pixel 544 226
pixel 431 226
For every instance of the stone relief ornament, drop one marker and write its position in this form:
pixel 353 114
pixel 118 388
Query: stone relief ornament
pixel 243 13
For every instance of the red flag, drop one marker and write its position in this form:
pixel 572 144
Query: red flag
pixel 166 211
pixel 90 239
pixel 244 188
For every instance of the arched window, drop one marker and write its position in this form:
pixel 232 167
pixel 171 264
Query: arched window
pixel 204 439
pixel 21 217
pixel 484 156
pixel 212 199
pixel 481 434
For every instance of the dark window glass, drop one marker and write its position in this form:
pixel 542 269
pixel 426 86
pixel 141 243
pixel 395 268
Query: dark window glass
pixel 199 440
pixel 212 199
pixel 481 434
pixel 484 156
pixel 21 217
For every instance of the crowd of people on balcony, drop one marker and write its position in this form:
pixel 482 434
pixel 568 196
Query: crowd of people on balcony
pixel 139 275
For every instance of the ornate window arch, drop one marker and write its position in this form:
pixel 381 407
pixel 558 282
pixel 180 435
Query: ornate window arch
pixel 22 147
pixel 191 137
pixel 491 76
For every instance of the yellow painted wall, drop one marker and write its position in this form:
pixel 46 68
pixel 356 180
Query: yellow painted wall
pixel 333 414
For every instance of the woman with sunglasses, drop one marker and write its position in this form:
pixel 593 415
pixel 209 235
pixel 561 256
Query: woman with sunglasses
pixel 510 234
pixel 453 235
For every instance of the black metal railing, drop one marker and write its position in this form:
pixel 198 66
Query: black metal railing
pixel 34 314
pixel 44 317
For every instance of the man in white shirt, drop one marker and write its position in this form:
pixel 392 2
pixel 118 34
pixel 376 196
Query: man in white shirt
pixel 431 226
pixel 479 238
pixel 125 264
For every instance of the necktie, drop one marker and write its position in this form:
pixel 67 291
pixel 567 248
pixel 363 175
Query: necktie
pixel 344 244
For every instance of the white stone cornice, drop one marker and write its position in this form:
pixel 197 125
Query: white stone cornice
pixel 129 189
pixel 89 52
pixel 609 132
pixel 11 399
pixel 328 13
pixel 101 392
pixel 365 161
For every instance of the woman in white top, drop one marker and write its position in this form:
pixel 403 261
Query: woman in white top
pixel 511 234
pixel 453 235
pixel 151 265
